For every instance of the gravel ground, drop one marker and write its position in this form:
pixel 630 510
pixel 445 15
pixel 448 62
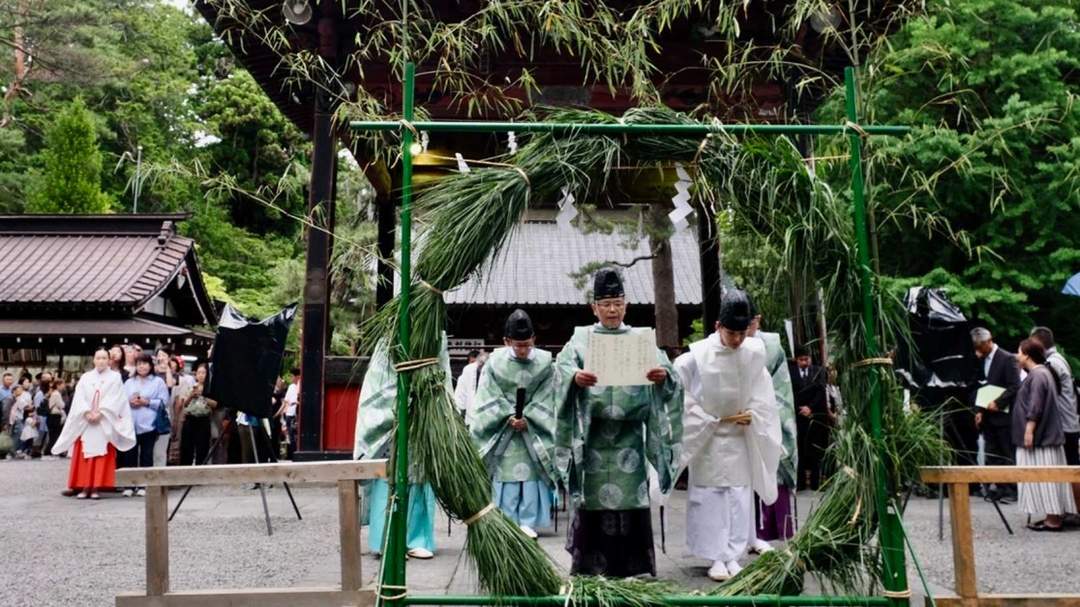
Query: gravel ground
pixel 67 552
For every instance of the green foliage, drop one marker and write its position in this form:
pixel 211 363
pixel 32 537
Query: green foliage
pixel 71 180
pixel 991 86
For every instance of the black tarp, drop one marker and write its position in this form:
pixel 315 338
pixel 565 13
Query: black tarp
pixel 941 363
pixel 246 360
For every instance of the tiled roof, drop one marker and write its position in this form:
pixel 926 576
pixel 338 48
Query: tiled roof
pixel 536 266
pixel 105 262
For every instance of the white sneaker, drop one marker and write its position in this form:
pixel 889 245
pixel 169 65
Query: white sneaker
pixel 733 568
pixel 420 553
pixel 527 530
pixel 128 493
pixel 718 572
pixel 140 493
pixel 759 546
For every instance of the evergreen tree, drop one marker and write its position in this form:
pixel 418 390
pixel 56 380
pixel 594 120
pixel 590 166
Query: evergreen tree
pixel 71 181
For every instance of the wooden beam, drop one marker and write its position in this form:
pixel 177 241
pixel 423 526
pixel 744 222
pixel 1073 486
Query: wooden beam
pixel 157 540
pixel 241 474
pixel 253 597
pixel 1011 600
pixel 1001 474
pixel 315 314
pixel 349 529
pixel 963 546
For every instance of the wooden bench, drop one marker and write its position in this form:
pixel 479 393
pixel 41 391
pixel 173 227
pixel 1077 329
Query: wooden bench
pixel 346 474
pixel 958 478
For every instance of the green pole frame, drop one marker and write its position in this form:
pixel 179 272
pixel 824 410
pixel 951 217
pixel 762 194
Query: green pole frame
pixel 394 573
pixel 892 548
pixel 570 128
pixel 895 578
pixel 669 601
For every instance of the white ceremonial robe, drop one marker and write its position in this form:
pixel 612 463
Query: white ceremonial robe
pixel 116 425
pixel 727 461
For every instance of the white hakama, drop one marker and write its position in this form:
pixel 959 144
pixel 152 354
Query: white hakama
pixel 720 519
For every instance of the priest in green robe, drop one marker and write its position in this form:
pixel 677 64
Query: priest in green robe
pixel 513 425
pixel 374 440
pixel 606 437
pixel 776 521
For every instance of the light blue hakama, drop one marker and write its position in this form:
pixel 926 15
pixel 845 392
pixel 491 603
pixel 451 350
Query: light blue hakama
pixel 527 503
pixel 421 516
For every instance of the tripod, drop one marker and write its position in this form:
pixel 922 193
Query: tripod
pixel 262 490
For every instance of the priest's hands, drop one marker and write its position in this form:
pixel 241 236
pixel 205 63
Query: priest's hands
pixel 657 375
pixel 743 418
pixel 585 379
pixel 518 424
pixel 92 416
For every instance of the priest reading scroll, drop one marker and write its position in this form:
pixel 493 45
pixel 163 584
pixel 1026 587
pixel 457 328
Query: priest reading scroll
pixel 732 441
pixel 606 436
pixel 98 425
pixel 513 425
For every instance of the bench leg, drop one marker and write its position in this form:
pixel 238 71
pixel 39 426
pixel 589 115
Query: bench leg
pixel 349 524
pixel 157 541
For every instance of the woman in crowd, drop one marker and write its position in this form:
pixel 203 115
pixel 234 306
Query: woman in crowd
pixel 21 397
pixel 146 394
pixel 163 370
pixel 57 412
pixel 1039 438
pixel 99 424
pixel 195 420
pixel 116 361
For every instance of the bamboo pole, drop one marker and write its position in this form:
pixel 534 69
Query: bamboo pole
pixel 394 573
pixel 670 601
pixel 571 128
pixel 894 574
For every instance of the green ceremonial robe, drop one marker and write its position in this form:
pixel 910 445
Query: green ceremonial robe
pixel 513 456
pixel 776 363
pixel 605 435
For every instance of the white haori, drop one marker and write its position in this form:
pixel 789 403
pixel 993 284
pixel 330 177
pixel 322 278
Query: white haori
pixel 720 382
pixel 106 392
pixel 1044 498
pixel 718 522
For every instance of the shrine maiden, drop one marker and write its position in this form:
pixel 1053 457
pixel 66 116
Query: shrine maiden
pixel 606 436
pixel 517 444
pixel 98 424
pixel 731 441
pixel 374 440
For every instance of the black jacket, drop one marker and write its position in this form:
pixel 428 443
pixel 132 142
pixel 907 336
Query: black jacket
pixel 809 392
pixel 1004 373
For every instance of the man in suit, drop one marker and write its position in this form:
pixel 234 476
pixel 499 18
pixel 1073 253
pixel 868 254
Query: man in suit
pixel 996 368
pixel 811 417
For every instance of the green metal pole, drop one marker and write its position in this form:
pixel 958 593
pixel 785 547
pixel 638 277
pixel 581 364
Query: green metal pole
pixel 570 128
pixel 394 572
pixel 671 601
pixel 892 547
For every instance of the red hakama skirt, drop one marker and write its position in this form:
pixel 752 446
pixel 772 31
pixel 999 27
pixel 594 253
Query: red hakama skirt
pixel 94 473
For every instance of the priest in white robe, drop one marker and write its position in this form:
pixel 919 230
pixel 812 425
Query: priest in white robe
pixel 731 436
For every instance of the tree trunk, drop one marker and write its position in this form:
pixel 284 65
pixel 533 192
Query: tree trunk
pixel 663 274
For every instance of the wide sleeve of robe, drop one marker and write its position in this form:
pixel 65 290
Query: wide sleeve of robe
pixel 664 429
pixel 785 401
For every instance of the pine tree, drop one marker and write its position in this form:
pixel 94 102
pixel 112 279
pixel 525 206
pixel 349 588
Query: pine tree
pixel 71 181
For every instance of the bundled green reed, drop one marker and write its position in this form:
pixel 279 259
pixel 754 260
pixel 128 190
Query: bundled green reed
pixel 469 218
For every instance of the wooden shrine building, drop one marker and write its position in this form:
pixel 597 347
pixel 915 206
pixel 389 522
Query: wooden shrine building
pixel 72 283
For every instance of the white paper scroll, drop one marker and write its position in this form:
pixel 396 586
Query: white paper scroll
pixel 622 359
